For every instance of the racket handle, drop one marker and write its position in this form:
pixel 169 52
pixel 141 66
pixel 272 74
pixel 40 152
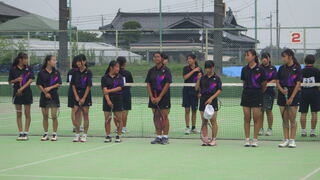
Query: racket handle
pixel 286 89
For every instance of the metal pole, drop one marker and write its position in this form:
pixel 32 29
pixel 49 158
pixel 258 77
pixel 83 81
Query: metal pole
pixel 160 27
pixel 70 36
pixel 305 42
pixel 207 45
pixel 117 43
pixel 278 31
pixel 29 48
pixel 256 22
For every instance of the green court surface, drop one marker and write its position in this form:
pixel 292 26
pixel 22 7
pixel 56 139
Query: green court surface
pixel 136 159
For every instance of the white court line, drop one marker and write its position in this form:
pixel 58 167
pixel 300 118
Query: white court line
pixel 70 177
pixel 310 174
pixel 54 158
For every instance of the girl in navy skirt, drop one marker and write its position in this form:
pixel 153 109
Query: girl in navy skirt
pixel 21 76
pixel 254 85
pixel 190 95
pixel 112 85
pixel 48 81
pixel 81 86
pixel 289 83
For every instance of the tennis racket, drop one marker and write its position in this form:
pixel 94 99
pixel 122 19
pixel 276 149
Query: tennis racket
pixel 157 116
pixel 286 109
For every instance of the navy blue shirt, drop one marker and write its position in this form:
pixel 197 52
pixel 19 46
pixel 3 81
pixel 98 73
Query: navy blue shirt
pixel 253 78
pixel 271 74
pixel 288 76
pixel 46 79
pixel 26 73
pixel 81 80
pixel 209 86
pixel 112 82
pixel 310 74
pixel 158 78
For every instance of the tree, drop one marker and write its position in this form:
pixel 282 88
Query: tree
pixel 130 37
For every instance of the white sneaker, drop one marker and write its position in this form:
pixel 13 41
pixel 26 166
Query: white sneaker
pixel 54 137
pixel 195 131
pixel 45 137
pixel 261 132
pixel 269 132
pixel 285 143
pixel 292 144
pixel 83 138
pixel 124 130
pixel 247 143
pixel 76 138
pixel 187 131
pixel 254 143
pixel 20 137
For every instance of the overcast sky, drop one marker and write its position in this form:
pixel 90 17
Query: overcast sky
pixel 87 14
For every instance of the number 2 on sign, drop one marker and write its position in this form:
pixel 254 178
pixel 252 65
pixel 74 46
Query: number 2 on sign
pixel 296 37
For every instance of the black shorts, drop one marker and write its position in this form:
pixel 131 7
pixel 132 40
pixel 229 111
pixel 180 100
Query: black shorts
pixel 25 98
pixel 268 100
pixel 47 103
pixel 127 102
pixel 251 98
pixel 282 99
pixel 87 102
pixel 117 101
pixel 190 98
pixel 163 104
pixel 309 97
pixel 203 100
pixel 70 97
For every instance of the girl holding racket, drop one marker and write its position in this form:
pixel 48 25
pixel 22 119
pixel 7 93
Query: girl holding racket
pixel 254 85
pixel 269 94
pixel 48 81
pixel 70 92
pixel 127 103
pixel 158 84
pixel 289 83
pixel 81 86
pixel 190 95
pixel 210 87
pixel 21 76
pixel 112 85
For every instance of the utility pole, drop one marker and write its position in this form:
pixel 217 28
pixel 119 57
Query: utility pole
pixel 256 22
pixel 219 13
pixel 278 30
pixel 202 21
pixel 63 37
pixel 270 17
pixel 160 23
pixel 70 34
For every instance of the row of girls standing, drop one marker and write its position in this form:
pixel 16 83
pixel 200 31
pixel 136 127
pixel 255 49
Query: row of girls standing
pixel 257 97
pixel 48 81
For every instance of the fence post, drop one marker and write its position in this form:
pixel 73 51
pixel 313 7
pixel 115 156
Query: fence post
pixel 117 43
pixel 304 42
pixel 207 45
pixel 29 48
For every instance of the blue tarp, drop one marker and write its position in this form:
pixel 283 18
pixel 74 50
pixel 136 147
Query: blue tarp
pixel 235 71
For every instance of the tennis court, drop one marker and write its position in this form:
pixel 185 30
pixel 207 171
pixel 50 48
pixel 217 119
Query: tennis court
pixel 136 158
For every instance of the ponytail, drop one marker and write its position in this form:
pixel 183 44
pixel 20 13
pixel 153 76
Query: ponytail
pixel 194 57
pixel 45 62
pixel 111 65
pixel 266 55
pixel 20 56
pixel 254 53
pixel 290 53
